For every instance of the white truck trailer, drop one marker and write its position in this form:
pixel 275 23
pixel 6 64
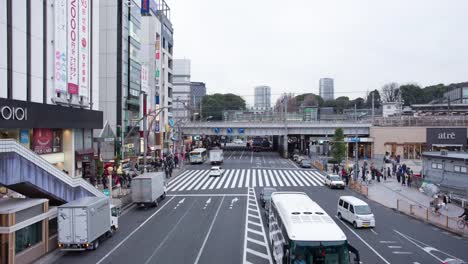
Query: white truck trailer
pixel 216 156
pixel 148 189
pixel 83 223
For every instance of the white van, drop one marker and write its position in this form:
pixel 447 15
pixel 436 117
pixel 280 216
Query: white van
pixel 355 211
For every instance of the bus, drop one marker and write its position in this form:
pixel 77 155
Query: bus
pixel 198 155
pixel 299 229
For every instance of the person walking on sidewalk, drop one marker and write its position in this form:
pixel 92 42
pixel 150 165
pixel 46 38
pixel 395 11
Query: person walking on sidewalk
pixel 389 174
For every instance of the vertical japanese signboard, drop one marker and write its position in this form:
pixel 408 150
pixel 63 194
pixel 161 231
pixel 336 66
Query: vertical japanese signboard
pixel 83 43
pixel 144 78
pixel 72 52
pixel 60 45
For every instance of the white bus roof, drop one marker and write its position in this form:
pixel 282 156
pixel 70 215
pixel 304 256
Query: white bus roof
pixel 304 219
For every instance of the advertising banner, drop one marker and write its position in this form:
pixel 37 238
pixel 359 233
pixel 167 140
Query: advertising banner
pixel 144 78
pixel 24 136
pixel 72 52
pixel 42 140
pixel 60 45
pixel 83 43
pixel 446 136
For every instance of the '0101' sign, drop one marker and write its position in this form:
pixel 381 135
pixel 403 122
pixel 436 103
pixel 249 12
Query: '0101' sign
pixel 13 113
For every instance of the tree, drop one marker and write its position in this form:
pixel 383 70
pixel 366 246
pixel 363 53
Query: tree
pixel 359 102
pixel 391 92
pixel 412 94
pixel 377 100
pixel 214 105
pixel 341 103
pixel 339 147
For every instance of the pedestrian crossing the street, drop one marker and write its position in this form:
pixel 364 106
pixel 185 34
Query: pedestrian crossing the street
pixel 194 180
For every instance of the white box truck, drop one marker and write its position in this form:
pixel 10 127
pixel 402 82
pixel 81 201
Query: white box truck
pixel 148 189
pixel 216 156
pixel 84 222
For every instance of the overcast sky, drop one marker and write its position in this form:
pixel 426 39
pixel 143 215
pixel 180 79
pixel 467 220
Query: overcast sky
pixel 289 45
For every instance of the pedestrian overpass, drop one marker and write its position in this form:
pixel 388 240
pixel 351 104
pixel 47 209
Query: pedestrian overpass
pixel 360 128
pixel 27 173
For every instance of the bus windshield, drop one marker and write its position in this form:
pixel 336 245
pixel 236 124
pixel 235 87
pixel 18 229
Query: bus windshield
pixel 325 252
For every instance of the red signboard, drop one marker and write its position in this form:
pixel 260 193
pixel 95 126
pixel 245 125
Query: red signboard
pixel 43 139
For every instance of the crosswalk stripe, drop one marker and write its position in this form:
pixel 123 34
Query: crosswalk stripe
pixel 189 181
pixel 208 182
pixel 280 182
pixel 287 181
pixel 247 179
pixel 319 176
pixel 235 179
pixel 281 175
pixel 180 178
pixel 264 174
pixel 296 178
pixel 260 179
pixel 223 178
pixel 180 183
pixel 254 175
pixel 304 179
pixel 241 181
pixel 273 182
pixel 217 179
pixel 308 178
pixel 290 178
pixel 229 178
pixel 199 178
pixel 205 179
pixel 313 177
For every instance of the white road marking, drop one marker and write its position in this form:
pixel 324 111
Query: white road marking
pixel 223 178
pixel 273 182
pixel 235 179
pixel 205 179
pixel 394 246
pixel 261 243
pixel 208 203
pixel 363 241
pixel 178 178
pixel 373 231
pixel 207 195
pixel 296 177
pixel 229 178
pixel 307 178
pixel 401 252
pixel 179 203
pixel 200 178
pixel 209 232
pixel 242 154
pixel 387 242
pixel 286 182
pixel 134 231
pixel 260 179
pixel 181 180
pixel 427 248
pixel 280 182
pixel 208 182
pixel 290 177
pixel 218 179
pixel 267 182
pixel 241 181
pixel 253 178
pixel 319 176
pixel 233 201
pixel 188 181
pixel 251 158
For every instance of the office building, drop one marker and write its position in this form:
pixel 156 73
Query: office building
pixel 326 89
pixel 457 95
pixel 262 97
pixel 181 91
pixel 197 91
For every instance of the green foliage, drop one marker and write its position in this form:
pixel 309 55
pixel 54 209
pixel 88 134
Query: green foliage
pixel 412 94
pixel 377 99
pixel 342 103
pixel 339 146
pixel 100 168
pixel 214 105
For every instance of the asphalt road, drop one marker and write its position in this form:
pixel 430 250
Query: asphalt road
pixel 227 225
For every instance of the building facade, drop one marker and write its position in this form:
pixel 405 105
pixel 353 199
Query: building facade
pixel 182 92
pixel 197 91
pixel 262 97
pixel 457 95
pixel 49 80
pixel 326 89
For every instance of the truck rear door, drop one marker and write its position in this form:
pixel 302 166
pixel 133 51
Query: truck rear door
pixel 65 225
pixel 81 225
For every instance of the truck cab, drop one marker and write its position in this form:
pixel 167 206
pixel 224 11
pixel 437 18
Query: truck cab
pixel 115 214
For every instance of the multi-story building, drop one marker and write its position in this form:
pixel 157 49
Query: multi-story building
pixel 262 97
pixel 120 83
pixel 458 95
pixel 151 28
pixel 49 90
pixel 49 101
pixel 326 89
pixel 197 91
pixel 181 92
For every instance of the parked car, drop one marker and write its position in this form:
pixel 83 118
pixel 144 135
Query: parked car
pixel 238 141
pixel 306 163
pixel 355 211
pixel 334 181
pixel 216 171
pixel 265 197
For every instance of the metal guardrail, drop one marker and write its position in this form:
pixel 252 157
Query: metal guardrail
pixel 10 145
pixel 407 121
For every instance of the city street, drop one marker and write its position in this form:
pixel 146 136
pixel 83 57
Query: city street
pixel 220 220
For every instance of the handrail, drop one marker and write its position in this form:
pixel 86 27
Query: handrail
pixel 10 145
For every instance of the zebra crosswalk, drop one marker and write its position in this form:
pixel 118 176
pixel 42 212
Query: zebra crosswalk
pixel 194 180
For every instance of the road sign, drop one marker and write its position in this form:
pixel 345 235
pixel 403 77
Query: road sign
pixel 354 140
pixel 217 130
pixel 106 192
pixel 229 130
pixel 171 122
pixel 241 131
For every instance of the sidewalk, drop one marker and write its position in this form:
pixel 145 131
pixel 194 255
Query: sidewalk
pixel 412 202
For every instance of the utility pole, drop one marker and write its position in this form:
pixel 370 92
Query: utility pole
pixel 201 114
pixel 372 107
pixel 355 112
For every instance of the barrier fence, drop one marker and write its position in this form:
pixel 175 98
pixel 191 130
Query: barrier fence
pixel 428 215
pixel 358 187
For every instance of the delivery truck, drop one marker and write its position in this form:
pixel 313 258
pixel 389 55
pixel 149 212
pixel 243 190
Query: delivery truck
pixel 148 189
pixel 216 156
pixel 83 223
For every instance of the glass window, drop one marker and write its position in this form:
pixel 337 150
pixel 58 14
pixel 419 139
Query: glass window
pixel 340 202
pixel 434 165
pixel 351 209
pixel 53 227
pixel 463 169
pixel 456 168
pixel 345 205
pixel 439 166
pixel 363 210
pixel 28 236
